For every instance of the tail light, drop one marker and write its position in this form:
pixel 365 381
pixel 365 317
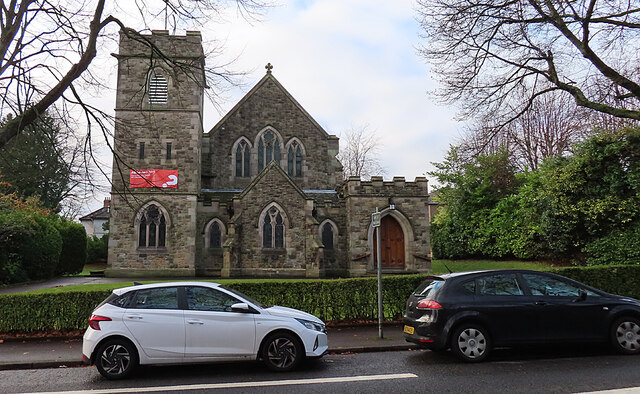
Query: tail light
pixel 428 304
pixel 94 321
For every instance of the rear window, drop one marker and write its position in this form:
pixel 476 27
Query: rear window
pixel 428 287
pixel 117 300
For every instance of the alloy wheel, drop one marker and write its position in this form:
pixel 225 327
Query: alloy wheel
pixel 115 359
pixel 282 353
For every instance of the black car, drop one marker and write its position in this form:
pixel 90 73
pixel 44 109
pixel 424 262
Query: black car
pixel 473 312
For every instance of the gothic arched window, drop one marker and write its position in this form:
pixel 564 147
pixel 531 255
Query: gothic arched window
pixel 268 150
pixel 214 233
pixel 294 159
pixel 215 236
pixel 243 157
pixel 273 229
pixel 152 228
pixel 327 236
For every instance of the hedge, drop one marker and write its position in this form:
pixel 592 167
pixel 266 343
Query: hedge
pixel 331 300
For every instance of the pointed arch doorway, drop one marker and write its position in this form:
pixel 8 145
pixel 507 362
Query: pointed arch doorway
pixel 392 241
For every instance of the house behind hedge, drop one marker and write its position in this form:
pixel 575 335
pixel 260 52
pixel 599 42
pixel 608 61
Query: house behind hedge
pixel 260 194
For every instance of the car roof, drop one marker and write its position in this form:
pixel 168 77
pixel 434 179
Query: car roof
pixel 123 290
pixel 451 275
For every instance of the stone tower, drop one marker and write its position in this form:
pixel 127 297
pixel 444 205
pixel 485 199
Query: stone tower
pixel 157 153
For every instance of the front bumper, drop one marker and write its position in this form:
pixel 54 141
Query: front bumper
pixel 319 346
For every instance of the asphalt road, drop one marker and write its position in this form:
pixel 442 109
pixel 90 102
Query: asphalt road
pixel 510 371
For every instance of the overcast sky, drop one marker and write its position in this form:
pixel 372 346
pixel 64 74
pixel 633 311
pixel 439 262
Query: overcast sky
pixel 348 63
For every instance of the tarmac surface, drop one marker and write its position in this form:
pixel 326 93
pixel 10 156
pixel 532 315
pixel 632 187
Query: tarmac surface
pixel 67 352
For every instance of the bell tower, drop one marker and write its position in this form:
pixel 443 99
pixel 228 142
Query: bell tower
pixel 157 154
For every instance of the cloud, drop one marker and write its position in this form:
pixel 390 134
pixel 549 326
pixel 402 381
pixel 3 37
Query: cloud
pixel 350 62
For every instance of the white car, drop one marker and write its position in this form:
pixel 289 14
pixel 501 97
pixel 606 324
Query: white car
pixel 193 322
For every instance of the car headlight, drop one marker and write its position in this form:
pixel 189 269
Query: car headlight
pixel 311 325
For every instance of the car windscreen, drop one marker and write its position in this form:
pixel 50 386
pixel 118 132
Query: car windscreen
pixel 428 287
pixel 246 297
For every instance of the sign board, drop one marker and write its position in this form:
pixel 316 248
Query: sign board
pixel 375 219
pixel 153 178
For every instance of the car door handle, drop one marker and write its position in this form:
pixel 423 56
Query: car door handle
pixel 541 303
pixel 134 317
pixel 199 322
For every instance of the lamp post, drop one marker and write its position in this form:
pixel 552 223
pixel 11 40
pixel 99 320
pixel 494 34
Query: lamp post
pixel 375 222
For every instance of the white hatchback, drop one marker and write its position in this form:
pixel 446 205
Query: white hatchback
pixel 193 322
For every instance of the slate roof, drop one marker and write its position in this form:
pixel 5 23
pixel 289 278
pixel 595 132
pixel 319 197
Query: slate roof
pixel 102 213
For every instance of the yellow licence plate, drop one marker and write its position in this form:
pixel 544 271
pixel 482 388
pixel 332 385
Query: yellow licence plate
pixel 409 330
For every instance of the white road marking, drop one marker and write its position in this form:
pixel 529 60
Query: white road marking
pixel 211 386
pixel 629 390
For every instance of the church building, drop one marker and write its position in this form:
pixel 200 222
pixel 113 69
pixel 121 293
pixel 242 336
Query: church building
pixel 261 194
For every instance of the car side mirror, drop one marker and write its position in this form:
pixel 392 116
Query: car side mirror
pixel 582 295
pixel 242 307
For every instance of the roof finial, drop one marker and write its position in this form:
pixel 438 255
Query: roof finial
pixel 268 67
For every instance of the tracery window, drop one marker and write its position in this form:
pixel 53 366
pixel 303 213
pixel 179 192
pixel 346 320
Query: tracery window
pixel 243 157
pixel 273 229
pixel 268 150
pixel 152 228
pixel 294 159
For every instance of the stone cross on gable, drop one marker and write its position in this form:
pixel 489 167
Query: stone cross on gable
pixel 268 67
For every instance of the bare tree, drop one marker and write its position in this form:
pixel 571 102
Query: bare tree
pixel 550 127
pixel 47 48
pixel 359 153
pixel 495 57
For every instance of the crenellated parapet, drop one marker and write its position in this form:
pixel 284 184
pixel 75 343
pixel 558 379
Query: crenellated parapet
pixel 171 46
pixel 354 187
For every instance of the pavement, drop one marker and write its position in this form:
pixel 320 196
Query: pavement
pixel 67 352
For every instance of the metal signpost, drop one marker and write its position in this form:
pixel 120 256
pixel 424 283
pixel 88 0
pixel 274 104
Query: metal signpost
pixel 375 222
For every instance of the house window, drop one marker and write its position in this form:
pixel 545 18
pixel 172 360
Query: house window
pixel 168 150
pixel 327 236
pixel 273 229
pixel 268 150
pixel 141 150
pixel 158 89
pixel 294 159
pixel 243 155
pixel 152 228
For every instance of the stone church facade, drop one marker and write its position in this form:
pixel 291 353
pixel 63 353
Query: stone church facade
pixel 259 195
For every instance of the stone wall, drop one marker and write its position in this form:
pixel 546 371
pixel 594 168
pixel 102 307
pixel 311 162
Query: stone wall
pixel 176 259
pixel 269 105
pixel 178 122
pixel 411 212
pixel 253 260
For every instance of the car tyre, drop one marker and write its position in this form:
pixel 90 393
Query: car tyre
pixel 282 352
pixel 116 359
pixel 470 342
pixel 625 335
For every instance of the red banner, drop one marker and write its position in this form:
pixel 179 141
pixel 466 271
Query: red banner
pixel 153 178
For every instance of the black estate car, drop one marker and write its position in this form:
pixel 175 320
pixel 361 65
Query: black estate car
pixel 472 312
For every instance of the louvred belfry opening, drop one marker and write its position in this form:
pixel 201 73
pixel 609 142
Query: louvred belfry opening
pixel 158 89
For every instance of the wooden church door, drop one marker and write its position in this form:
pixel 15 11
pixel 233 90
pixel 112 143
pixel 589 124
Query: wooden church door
pixel 392 240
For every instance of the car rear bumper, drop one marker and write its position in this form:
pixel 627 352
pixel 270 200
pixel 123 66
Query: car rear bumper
pixel 425 335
